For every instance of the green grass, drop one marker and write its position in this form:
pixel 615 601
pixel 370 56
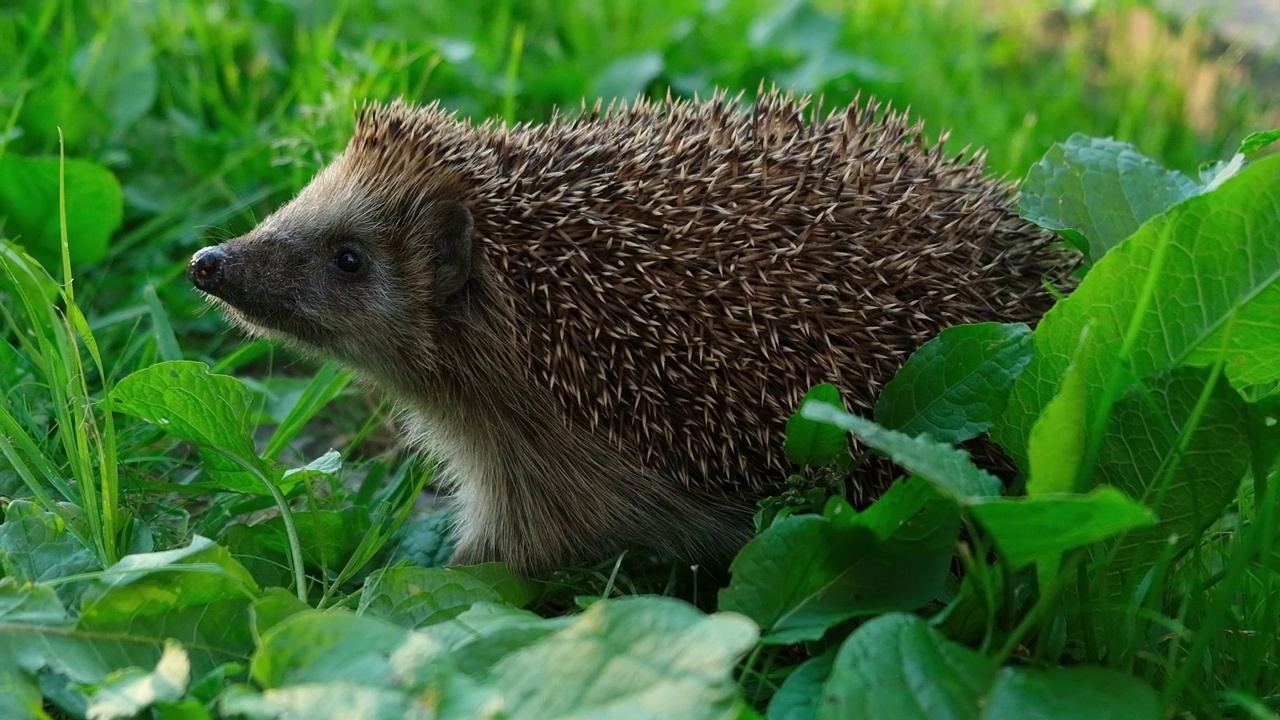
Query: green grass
pixel 206 117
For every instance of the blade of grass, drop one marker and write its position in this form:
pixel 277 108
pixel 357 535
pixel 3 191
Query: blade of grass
pixel 326 385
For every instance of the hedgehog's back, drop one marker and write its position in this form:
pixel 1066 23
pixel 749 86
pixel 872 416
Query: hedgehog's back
pixel 684 272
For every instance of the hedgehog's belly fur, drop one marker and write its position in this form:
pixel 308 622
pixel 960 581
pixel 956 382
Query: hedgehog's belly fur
pixel 532 493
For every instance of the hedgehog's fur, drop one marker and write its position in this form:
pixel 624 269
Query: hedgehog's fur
pixel 601 324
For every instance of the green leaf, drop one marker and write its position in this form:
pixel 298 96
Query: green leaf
pixel 35 545
pixel 815 443
pixel 514 589
pixel 33 630
pixel 807 573
pixel 487 632
pixel 37 637
pixel 627 77
pixel 955 386
pixel 415 597
pixel 427 541
pixel 878 671
pixel 272 607
pixel 1057 447
pixel 1254 142
pixel 1099 191
pixel 128 693
pixel 1028 528
pixel 649 657
pixel 327 539
pixel 1057 443
pixel 947 468
pixel 1095 694
pixel 29 209
pixel 1201 282
pixel 327 647
pixel 198 595
pixel 1188 490
pixel 23 603
pixel 213 411
pixel 337 699
pixel 800 696
pixel 1264 435
pixel 116 70
pixel 20 696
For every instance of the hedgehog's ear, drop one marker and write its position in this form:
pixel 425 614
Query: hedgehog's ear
pixel 452 227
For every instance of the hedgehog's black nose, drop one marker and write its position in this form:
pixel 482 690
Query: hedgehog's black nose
pixel 208 268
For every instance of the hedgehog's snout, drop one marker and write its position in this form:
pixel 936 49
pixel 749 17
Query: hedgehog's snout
pixel 208 268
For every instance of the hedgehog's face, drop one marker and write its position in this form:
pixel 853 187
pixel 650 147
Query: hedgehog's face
pixel 339 274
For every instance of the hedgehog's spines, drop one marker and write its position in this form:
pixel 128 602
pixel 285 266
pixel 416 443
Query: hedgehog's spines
pixel 787 225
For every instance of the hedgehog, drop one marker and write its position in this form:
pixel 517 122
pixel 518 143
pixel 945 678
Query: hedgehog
pixel 600 324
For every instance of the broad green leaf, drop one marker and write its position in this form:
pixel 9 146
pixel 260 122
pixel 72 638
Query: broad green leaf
pixel 954 387
pixel 37 637
pixel 327 540
pixel 807 573
pixel 947 468
pixel 1095 694
pixel 627 77
pixel 799 28
pixel 128 693
pixel 872 676
pixel 55 106
pixel 23 603
pixel 427 541
pixel 117 71
pixel 191 403
pixel 35 545
pixel 1057 443
pixel 647 657
pixel 1057 448
pixel 333 700
pixel 328 537
pixel 213 411
pixel 1139 455
pixel 800 696
pixel 29 210
pixel 1201 282
pixel 897 667
pixel 486 632
pixel 197 594
pixel 30 614
pixel 1028 528
pixel 416 597
pixel 327 647
pixel 514 589
pixel 816 443
pixel 272 607
pixel 20 697
pixel 1099 191
pixel 1254 142
pixel 1264 436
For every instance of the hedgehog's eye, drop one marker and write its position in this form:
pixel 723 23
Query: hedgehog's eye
pixel 348 261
